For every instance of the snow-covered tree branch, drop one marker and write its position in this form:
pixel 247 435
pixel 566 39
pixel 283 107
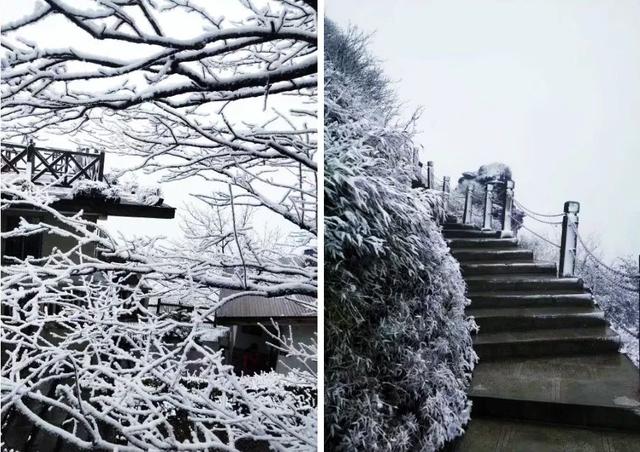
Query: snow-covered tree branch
pixel 183 93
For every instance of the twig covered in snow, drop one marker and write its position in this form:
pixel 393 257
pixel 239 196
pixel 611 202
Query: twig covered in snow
pixel 82 322
pixel 229 100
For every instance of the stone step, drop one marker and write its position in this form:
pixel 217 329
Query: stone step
pixel 512 268
pixel 548 342
pixel 515 283
pixel 524 300
pixel 482 243
pixel 458 226
pixel 469 233
pixel 592 391
pixel 477 255
pixel 490 434
pixel 523 319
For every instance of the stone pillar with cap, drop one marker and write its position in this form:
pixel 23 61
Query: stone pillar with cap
pixel 507 207
pixel 488 204
pixel 569 239
pixel 468 205
pixel 430 176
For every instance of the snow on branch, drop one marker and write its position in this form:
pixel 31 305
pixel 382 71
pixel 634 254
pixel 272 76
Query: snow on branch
pixel 82 323
pixel 184 93
pixel 137 52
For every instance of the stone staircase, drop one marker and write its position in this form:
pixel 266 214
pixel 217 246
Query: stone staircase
pixel 550 376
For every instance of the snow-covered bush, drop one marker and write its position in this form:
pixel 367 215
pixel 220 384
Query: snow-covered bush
pixel 397 343
pixel 87 188
pixel 132 190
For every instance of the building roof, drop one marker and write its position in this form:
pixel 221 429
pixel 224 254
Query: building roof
pixel 255 307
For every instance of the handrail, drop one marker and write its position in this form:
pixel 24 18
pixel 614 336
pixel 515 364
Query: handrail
pixel 63 166
pixel 44 148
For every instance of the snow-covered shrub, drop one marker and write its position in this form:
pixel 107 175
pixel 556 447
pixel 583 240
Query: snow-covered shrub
pixel 397 343
pixel 86 188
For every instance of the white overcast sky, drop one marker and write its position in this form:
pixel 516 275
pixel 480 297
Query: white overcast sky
pixel 550 87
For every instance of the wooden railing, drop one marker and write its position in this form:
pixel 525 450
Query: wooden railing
pixel 52 166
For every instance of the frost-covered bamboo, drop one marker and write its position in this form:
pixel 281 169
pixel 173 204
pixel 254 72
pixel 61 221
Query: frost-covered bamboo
pixel 397 344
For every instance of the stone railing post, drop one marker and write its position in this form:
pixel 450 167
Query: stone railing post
pixel 488 204
pixel 445 193
pixel 468 206
pixel 507 206
pixel 420 175
pixel 430 179
pixel 569 240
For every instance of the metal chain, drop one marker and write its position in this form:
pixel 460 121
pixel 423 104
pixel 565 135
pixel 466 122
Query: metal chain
pixel 532 212
pixel 613 281
pixel 590 253
pixel 624 328
pixel 535 233
pixel 552 223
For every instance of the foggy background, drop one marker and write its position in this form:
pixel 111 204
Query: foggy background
pixel 551 88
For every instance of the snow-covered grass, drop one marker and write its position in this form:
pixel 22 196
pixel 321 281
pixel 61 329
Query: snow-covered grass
pixel 397 343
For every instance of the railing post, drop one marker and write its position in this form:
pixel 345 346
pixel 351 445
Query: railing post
pixel 569 240
pixel 468 206
pixel 101 166
pixel 445 193
pixel 430 181
pixel 507 206
pixel 30 160
pixel 66 168
pixel 488 204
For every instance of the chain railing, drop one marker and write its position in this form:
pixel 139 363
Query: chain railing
pixel 568 219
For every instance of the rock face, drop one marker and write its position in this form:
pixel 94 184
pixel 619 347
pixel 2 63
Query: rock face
pixel 496 173
pixel 486 173
pixel 550 373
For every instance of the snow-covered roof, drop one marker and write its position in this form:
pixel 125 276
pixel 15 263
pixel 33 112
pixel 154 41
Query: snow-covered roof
pixel 259 307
